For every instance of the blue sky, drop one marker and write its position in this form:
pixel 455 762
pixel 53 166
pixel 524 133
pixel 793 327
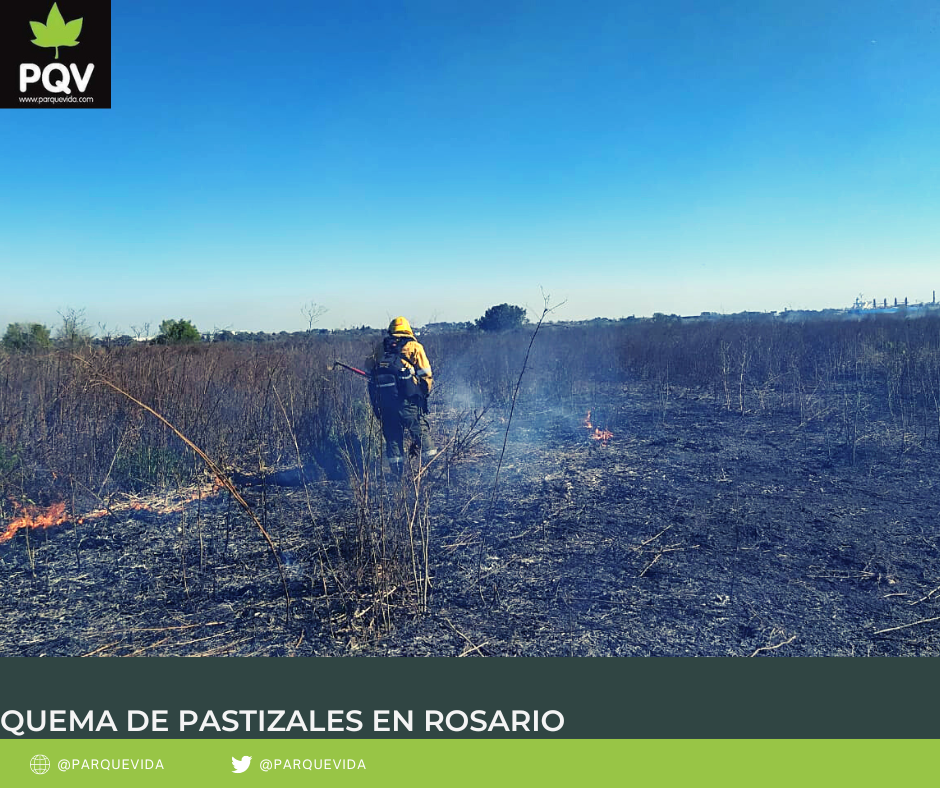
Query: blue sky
pixel 432 159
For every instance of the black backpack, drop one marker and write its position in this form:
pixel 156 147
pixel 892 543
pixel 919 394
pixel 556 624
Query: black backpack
pixel 393 378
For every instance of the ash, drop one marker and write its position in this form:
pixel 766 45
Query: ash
pixel 690 532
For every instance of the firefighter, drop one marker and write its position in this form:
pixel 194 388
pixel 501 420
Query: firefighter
pixel 399 384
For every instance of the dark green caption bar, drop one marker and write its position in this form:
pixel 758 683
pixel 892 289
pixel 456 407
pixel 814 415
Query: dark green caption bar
pixel 597 698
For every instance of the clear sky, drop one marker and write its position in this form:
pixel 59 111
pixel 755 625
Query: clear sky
pixel 432 158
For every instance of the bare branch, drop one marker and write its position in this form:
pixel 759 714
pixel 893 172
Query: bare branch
pixel 906 626
pixel 771 648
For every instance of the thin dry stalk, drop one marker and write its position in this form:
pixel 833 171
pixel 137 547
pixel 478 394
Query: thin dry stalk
pixel 906 626
pixel 467 651
pixel 515 392
pixel 771 648
pixel 925 598
pixel 105 647
pixel 210 463
pixel 322 555
pixel 225 647
pixel 473 646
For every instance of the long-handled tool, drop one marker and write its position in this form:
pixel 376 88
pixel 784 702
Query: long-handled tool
pixel 351 369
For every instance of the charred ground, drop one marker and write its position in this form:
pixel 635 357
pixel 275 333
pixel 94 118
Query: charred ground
pixel 708 534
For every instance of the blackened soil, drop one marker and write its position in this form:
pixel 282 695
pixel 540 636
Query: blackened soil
pixel 695 532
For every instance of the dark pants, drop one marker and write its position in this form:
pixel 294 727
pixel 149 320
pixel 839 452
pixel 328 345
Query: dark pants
pixel 408 421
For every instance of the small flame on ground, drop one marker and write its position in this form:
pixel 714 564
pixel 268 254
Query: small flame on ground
pixel 40 517
pixel 598 434
pixel 35 517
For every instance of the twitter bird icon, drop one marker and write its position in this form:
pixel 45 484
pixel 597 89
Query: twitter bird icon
pixel 241 765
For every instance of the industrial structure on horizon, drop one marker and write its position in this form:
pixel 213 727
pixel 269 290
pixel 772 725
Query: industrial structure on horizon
pixel 863 306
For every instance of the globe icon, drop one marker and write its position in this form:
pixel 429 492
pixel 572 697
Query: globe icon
pixel 39 764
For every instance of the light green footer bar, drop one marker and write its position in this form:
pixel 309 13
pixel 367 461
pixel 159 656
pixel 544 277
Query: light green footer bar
pixel 470 763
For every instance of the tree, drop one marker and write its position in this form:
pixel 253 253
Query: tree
pixel 313 312
pixel 502 318
pixel 26 336
pixel 74 330
pixel 174 332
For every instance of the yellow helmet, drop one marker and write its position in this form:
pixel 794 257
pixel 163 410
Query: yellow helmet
pixel 400 327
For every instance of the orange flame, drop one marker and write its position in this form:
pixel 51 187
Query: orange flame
pixel 598 434
pixel 35 517
pixel 39 517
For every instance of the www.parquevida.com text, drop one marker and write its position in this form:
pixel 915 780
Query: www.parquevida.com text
pixel 57 99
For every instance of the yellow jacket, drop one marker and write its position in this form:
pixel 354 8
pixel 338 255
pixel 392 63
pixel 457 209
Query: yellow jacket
pixel 414 354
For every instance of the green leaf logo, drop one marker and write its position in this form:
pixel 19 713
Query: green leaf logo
pixel 56 33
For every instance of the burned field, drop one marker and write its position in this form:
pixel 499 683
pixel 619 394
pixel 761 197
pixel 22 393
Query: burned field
pixel 748 515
